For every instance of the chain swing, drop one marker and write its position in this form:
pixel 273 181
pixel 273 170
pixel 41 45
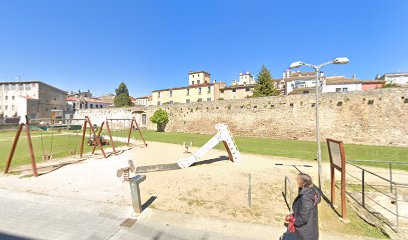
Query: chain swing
pixel 47 155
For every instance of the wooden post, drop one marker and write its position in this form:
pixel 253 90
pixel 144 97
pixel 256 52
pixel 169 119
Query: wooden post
pixel 30 148
pixel 83 138
pixel 97 139
pixel 140 132
pixel 130 131
pixel 231 158
pixel 343 187
pixel 99 134
pixel 332 185
pixel 110 137
pixel 13 147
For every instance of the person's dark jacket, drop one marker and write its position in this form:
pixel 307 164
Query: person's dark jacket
pixel 305 211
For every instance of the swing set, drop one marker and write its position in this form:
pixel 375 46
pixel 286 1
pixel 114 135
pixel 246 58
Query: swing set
pixel 49 132
pixel 56 127
pixel 123 131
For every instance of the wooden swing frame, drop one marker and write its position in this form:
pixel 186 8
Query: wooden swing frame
pixel 133 123
pixel 87 121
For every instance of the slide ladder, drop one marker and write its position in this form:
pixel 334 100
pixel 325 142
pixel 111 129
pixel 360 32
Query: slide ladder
pixel 224 136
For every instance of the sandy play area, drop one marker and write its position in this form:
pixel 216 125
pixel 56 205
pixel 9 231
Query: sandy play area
pixel 216 187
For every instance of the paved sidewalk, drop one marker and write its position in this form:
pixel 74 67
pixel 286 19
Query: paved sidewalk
pixel 36 216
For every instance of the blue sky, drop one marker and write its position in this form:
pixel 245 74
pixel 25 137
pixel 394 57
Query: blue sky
pixel 153 44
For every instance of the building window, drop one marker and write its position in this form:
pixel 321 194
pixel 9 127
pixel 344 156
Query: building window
pixel 222 91
pixel 345 89
pixel 21 87
pixel 192 82
pixel 234 90
pixel 28 87
pixel 100 106
pixel 198 81
pixel 13 97
pixel 96 106
pixel 209 89
pixel 200 100
pixel 199 91
pixel 208 99
pixel 13 107
pixel 158 95
pixel 338 89
pixel 6 98
pixel 158 103
pixel 13 87
pixel 6 107
pixel 188 92
pixel 198 75
pixel 247 89
pixel 187 100
pixel 91 105
pixel 171 93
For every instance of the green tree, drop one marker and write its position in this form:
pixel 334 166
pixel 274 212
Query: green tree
pixel 161 118
pixel 122 98
pixel 264 85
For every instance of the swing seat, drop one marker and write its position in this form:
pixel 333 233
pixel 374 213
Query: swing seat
pixel 46 157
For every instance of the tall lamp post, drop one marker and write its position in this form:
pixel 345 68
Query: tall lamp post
pixel 340 60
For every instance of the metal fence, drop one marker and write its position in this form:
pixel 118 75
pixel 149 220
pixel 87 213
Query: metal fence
pixel 373 184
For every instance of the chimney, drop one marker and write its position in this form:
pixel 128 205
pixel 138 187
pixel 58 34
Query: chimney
pixel 354 76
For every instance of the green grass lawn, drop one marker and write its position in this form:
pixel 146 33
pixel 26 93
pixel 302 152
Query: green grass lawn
pixel 305 150
pixel 62 146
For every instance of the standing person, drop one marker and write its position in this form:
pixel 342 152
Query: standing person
pixel 303 223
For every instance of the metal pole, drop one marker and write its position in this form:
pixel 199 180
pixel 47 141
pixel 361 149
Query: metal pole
pixel 249 191
pixel 390 169
pixel 396 207
pixel 362 188
pixel 319 151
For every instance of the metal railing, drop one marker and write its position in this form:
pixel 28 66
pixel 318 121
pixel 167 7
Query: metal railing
pixel 392 194
pixel 289 191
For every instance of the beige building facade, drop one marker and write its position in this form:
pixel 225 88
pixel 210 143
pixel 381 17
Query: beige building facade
pixel 200 89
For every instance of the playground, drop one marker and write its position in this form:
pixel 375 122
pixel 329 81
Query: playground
pixel 215 187
pixel 188 173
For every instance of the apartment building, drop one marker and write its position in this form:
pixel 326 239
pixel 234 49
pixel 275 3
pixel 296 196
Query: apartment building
pixel 35 99
pixel 142 101
pixel 199 89
pixel 395 78
pixel 84 100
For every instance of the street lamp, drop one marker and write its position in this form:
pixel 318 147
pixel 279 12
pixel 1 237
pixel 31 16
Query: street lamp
pixel 339 60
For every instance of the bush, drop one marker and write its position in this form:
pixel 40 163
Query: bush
pixel 161 118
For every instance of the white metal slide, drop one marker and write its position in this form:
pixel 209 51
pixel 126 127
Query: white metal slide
pixel 223 135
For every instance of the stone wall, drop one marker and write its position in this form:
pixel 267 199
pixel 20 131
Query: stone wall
pixel 378 117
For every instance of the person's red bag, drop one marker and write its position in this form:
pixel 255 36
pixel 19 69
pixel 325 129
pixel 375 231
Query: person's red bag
pixel 291 223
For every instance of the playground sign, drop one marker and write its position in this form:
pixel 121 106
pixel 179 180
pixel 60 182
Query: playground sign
pixel 337 162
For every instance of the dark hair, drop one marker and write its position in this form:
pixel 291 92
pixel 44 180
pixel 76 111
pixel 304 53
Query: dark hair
pixel 306 179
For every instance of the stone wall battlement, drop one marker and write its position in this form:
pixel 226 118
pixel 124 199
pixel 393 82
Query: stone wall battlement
pixel 378 117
